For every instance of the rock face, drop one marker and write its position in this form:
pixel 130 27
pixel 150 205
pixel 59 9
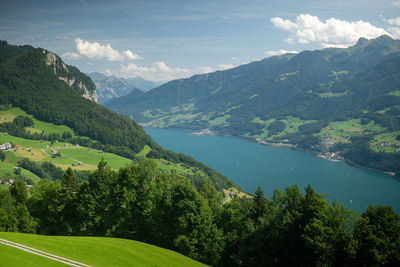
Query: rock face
pixel 71 76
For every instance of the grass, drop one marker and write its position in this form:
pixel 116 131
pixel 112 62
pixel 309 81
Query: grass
pixel 39 126
pixel 92 157
pixel 168 166
pixel 386 142
pixel 349 128
pixel 219 120
pixel 12 257
pixel 95 251
pixel 23 142
pixel 331 94
pixel 70 154
pixel 143 153
pixel 291 126
pixel 5 117
pixel 35 154
pixel 395 93
pixel 7 172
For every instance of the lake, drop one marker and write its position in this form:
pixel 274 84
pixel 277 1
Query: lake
pixel 250 165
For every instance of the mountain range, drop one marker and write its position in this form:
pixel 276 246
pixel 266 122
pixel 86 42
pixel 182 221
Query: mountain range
pixel 42 85
pixel 324 101
pixel 108 87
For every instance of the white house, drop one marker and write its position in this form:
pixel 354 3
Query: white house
pixel 5 146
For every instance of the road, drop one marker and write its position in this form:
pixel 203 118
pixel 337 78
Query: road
pixel 43 254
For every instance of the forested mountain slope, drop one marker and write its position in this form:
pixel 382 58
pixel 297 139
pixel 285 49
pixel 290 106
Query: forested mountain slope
pixel 39 82
pixel 324 100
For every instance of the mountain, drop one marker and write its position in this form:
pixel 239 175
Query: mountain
pixel 38 82
pixel 323 101
pixel 145 85
pixel 108 87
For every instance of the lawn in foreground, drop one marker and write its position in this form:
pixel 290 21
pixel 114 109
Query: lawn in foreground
pixel 95 251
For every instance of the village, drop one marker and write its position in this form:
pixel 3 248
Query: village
pixel 203 132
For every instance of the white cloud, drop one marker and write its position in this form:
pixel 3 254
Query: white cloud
pixel 225 66
pixel 395 3
pixel 159 71
pixel 331 33
pixel 98 51
pixel 395 32
pixel 395 21
pixel 279 52
pixel 71 56
pixel 130 55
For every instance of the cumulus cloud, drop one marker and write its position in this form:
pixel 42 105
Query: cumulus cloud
pixel 395 32
pixel 98 51
pixel 71 56
pixel 395 21
pixel 159 71
pixel 279 52
pixel 331 33
pixel 131 55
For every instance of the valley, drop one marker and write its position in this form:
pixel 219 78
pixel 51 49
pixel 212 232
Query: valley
pixel 335 100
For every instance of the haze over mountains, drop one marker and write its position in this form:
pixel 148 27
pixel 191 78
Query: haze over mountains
pixel 299 99
pixel 108 87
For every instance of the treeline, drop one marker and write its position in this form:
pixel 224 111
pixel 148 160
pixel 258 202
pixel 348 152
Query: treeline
pixel 138 202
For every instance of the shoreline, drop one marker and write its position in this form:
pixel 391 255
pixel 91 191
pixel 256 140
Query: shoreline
pixel 287 145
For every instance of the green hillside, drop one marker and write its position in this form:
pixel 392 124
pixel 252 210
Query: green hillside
pixel 343 101
pixel 94 251
pixel 46 96
pixel 71 155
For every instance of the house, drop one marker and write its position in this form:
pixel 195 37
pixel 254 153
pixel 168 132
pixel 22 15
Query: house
pixel 79 163
pixel 89 149
pixel 29 149
pixel 5 146
pixel 18 146
pixel 100 151
pixel 5 134
pixel 54 152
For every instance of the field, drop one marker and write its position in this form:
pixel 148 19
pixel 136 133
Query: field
pixel 39 126
pixel 349 128
pixel 94 251
pixel 7 172
pixel 386 142
pixel 70 154
pixel 291 126
pixel 75 157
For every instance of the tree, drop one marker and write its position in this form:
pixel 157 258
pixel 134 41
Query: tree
pixel 19 192
pixel 378 236
pixel 8 217
pixel 44 206
pixel 69 182
pixel 2 155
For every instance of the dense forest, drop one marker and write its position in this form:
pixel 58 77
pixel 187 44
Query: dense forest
pixel 138 202
pixel 29 82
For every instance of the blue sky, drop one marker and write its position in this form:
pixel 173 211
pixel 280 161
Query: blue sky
pixel 164 40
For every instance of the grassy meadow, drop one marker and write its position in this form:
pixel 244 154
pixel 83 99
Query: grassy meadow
pixel 94 251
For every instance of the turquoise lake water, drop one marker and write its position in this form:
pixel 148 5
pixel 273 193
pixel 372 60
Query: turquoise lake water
pixel 250 165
